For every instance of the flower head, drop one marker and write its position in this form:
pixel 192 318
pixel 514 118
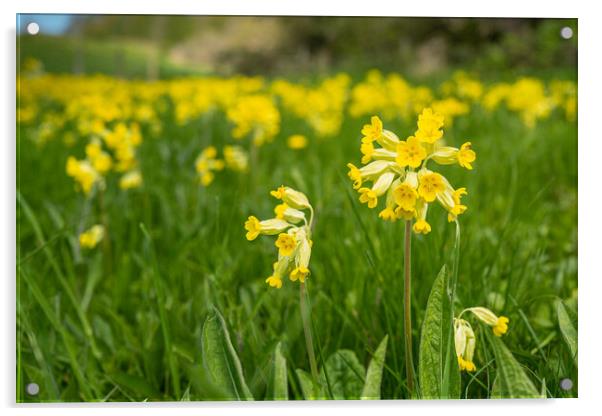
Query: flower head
pixel 294 245
pixel 399 170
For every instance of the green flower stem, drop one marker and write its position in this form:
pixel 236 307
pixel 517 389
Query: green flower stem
pixel 407 305
pixel 305 316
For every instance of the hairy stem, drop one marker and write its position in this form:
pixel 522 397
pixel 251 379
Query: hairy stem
pixel 407 306
pixel 305 316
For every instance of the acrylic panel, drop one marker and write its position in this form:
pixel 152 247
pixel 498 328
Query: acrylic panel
pixel 224 208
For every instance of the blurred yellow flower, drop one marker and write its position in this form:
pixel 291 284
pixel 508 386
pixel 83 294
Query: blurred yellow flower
pixel 206 163
pixel 91 237
pixel 84 174
pixel 297 141
pixel 130 180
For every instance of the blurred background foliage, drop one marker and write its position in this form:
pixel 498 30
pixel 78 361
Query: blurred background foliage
pixel 150 46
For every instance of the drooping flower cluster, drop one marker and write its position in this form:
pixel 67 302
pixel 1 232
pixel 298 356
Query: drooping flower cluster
pixel 464 337
pixel 398 170
pixel 294 235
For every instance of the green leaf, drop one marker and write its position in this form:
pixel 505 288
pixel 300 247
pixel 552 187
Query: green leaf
pixel 374 374
pixel 435 336
pixel 567 329
pixel 221 361
pixel 511 381
pixel 307 386
pixel 345 374
pixel 280 376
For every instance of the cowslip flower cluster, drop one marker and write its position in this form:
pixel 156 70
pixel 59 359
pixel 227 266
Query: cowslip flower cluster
pixel 236 158
pixel 294 235
pixel 257 116
pixel 398 171
pixel 131 180
pixel 123 140
pixel 464 337
pixel 84 174
pixel 206 163
pixel 91 237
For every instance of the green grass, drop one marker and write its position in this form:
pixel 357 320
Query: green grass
pixel 117 57
pixel 124 321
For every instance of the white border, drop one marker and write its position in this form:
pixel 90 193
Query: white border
pixel 590 274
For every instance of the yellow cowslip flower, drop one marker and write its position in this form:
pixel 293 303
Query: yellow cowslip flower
pixel 430 185
pixel 255 227
pixel 405 196
pixel 410 153
pixel 429 126
pixel 398 169
pixel 421 226
pixel 286 244
pixel 446 155
pixel 498 324
pixel 299 273
pixel 84 174
pixel 457 207
pixel 91 237
pixel 465 343
pixel 466 156
pixel 381 185
pixel 292 215
pixel 368 196
pixel 293 198
pixel 297 141
pixel 369 172
pixel 367 150
pixel 274 281
pixel 294 245
pixel 372 131
pixel 206 163
pixel 236 158
pixel 130 180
